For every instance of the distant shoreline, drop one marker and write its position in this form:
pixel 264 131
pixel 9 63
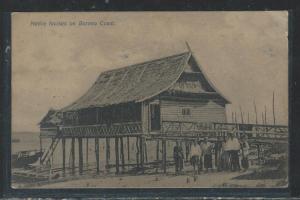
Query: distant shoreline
pixel 24 132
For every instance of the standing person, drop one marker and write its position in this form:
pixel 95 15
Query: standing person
pixel 230 147
pixel 234 152
pixel 178 158
pixel 245 152
pixel 206 148
pixel 225 156
pixel 187 150
pixel 218 150
pixel 196 154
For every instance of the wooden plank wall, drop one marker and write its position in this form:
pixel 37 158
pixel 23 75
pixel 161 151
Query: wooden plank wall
pixel 209 111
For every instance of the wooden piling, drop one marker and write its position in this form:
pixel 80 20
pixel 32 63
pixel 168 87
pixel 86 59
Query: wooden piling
pixel 128 149
pixel 80 152
pixel 107 153
pixel 273 109
pixel 122 154
pixel 187 150
pixel 265 115
pixel 63 141
pixel 145 150
pixel 97 155
pixel 41 148
pixel 87 153
pixel 164 156
pixel 137 153
pixel 117 154
pixel 255 112
pixel 73 156
pixel 142 153
pixel 242 116
pixel 157 150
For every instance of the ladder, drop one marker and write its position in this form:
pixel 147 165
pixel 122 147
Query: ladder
pixel 47 155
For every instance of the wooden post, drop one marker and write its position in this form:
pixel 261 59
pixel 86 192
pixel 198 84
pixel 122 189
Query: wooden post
pixel 164 156
pixel 242 117
pixel 255 112
pixel 258 153
pixel 273 108
pixel 137 153
pixel 235 118
pixel 87 153
pixel 97 154
pixel 73 155
pixel 107 155
pixel 248 119
pixel 157 150
pixel 265 115
pixel 122 154
pixel 187 150
pixel 41 149
pixel 117 154
pixel 142 153
pixel 146 152
pixel 128 149
pixel 80 152
pixel 63 141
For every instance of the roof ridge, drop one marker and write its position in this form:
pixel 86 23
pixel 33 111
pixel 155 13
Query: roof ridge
pixel 141 63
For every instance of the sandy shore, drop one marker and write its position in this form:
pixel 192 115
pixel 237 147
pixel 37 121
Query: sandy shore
pixel 210 179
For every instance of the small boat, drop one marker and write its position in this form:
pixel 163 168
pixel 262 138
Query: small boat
pixel 22 159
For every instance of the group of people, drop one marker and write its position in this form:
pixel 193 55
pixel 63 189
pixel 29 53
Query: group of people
pixel 228 153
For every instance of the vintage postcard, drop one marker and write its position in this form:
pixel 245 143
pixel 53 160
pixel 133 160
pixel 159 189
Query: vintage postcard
pixel 150 100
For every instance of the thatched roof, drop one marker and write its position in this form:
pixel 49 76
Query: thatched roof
pixel 53 117
pixel 134 83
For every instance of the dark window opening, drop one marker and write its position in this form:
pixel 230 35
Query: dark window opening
pixel 186 111
pixel 155 117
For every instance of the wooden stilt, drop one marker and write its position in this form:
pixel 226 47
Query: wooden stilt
pixel 63 141
pixel 145 151
pixel 87 153
pixel 41 148
pixel 273 109
pixel 187 150
pixel 128 149
pixel 107 154
pixel 164 156
pixel 117 154
pixel 142 153
pixel 80 156
pixel 73 155
pixel 137 153
pixel 122 154
pixel 97 154
pixel 157 150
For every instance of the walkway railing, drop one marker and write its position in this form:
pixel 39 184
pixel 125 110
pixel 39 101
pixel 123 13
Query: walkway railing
pixel 99 130
pixel 214 130
pixel 102 130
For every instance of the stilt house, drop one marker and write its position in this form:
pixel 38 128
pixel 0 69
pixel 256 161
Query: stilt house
pixel 154 97
pixel 154 100
pixel 146 98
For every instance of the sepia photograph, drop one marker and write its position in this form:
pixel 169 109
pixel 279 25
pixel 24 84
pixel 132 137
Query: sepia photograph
pixel 149 99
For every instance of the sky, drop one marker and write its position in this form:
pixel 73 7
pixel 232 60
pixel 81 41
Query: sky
pixel 244 54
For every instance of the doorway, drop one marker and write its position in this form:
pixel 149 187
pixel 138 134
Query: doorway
pixel 154 117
